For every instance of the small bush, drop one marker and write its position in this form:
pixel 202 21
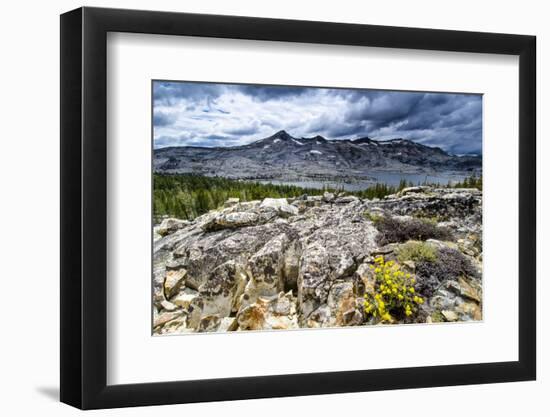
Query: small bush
pixel 430 217
pixel 417 252
pixel 450 264
pixel 397 231
pixel 437 317
pixel 373 217
pixel 394 296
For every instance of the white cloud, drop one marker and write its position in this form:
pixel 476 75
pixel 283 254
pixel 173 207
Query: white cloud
pixel 205 114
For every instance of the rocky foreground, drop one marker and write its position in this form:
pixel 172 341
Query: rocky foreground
pixel 321 261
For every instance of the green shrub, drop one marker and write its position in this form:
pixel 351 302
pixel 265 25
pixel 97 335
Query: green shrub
pixel 393 230
pixel 417 252
pixel 373 217
pixel 450 264
pixel 437 317
pixel 432 218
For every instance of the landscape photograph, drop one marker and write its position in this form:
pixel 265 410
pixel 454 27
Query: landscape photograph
pixel 290 207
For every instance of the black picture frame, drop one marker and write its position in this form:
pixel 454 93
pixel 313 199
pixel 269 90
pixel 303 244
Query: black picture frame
pixel 84 207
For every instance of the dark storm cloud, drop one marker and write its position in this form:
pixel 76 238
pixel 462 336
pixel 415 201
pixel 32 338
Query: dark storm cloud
pixel 171 92
pixel 165 91
pixel 382 109
pixel 332 130
pixel 227 115
pixel 265 93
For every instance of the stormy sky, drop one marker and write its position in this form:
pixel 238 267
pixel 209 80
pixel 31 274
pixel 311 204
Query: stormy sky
pixel 208 114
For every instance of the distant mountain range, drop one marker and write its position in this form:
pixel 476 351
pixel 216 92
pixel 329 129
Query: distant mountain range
pixel 286 158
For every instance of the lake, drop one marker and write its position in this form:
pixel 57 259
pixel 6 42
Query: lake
pixel 389 178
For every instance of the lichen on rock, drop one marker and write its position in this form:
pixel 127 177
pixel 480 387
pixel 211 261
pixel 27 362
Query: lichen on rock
pixel 307 262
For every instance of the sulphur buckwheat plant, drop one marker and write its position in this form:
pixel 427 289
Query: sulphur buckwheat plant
pixel 394 296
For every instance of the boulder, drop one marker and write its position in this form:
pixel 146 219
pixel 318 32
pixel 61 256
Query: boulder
pixel 159 274
pixel 449 315
pixel 367 278
pixel 342 308
pixel 209 323
pixel 252 317
pixel 265 269
pixel 173 282
pixel 168 306
pixel 163 318
pixel 346 199
pixel 462 206
pixel 459 300
pixel 200 253
pixel 346 308
pixel 320 317
pixel 313 279
pixel 224 286
pixel 175 326
pixel 410 190
pixel 279 205
pixel 219 294
pixel 228 324
pixel 276 313
pixel 185 298
pixel 170 225
pixel 231 221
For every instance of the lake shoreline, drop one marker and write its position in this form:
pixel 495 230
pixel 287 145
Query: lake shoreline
pixel 381 177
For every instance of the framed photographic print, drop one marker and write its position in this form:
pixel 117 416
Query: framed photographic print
pixel 282 208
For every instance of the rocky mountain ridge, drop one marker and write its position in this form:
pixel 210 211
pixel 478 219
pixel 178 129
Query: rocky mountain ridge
pixel 284 157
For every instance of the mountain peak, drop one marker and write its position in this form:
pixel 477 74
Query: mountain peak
pixel 281 134
pixel 366 139
pixel 319 138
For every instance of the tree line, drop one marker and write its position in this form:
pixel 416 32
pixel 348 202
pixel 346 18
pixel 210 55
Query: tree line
pixel 473 181
pixel 187 196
